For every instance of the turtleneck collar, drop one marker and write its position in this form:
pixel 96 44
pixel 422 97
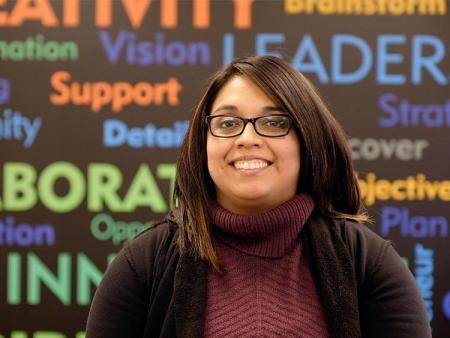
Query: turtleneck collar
pixel 269 234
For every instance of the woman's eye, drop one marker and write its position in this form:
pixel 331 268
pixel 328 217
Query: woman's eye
pixel 275 123
pixel 278 123
pixel 228 124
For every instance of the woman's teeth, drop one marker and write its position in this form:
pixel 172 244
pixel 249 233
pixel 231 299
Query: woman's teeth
pixel 252 164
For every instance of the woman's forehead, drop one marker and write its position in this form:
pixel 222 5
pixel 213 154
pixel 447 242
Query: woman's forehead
pixel 240 92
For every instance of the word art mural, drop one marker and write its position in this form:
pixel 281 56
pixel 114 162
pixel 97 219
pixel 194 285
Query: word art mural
pixel 95 102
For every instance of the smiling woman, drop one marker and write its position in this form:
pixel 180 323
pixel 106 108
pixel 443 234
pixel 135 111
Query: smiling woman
pixel 264 240
pixel 252 173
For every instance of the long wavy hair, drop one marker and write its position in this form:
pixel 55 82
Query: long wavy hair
pixel 326 173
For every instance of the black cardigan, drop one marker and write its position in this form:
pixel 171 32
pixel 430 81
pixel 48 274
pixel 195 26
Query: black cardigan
pixel 151 291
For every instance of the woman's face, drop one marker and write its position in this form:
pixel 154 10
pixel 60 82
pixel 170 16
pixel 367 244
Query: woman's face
pixel 277 160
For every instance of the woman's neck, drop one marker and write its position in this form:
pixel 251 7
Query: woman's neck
pixel 267 234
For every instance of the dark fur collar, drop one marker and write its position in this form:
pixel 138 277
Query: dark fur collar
pixel 190 289
pixel 333 269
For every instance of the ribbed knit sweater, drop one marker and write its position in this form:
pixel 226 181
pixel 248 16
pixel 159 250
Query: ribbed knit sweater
pixel 267 288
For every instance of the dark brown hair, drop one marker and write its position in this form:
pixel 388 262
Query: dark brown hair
pixel 326 172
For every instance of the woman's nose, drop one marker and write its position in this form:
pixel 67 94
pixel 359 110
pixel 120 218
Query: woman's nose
pixel 249 137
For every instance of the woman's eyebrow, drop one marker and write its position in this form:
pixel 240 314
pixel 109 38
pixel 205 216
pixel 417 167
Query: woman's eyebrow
pixel 270 109
pixel 233 109
pixel 227 108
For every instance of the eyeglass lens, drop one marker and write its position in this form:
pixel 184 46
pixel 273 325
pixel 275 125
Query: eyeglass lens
pixel 228 126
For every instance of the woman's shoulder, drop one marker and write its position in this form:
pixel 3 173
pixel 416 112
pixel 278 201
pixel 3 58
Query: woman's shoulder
pixel 352 233
pixel 365 247
pixel 152 246
pixel 156 234
pixel 360 235
pixel 369 251
pixel 384 281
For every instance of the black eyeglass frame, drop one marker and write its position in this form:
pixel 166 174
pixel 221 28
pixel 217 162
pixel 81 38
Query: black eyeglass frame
pixel 251 120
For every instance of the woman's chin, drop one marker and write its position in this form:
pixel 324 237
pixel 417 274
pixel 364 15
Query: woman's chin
pixel 245 202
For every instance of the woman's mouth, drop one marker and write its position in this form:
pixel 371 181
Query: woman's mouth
pixel 251 164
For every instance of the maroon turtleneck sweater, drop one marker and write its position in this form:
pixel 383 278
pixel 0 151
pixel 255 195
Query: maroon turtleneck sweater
pixel 267 289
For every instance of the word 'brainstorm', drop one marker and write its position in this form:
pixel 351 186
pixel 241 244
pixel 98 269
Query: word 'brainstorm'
pixel 366 7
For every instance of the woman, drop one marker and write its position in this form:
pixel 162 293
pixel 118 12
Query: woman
pixel 265 240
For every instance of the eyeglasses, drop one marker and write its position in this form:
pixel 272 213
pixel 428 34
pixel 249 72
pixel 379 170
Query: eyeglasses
pixel 231 126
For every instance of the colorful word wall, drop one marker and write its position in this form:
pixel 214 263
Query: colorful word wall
pixel 95 102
